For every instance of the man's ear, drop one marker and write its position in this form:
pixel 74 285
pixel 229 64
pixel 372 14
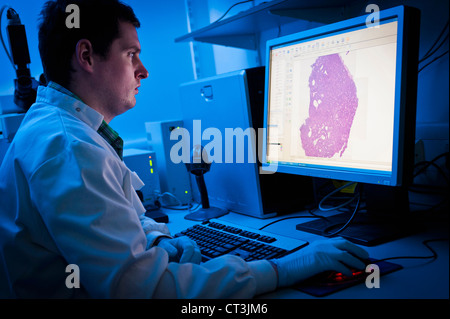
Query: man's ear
pixel 84 55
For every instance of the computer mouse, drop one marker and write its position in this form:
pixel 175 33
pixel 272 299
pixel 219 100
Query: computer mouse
pixel 332 277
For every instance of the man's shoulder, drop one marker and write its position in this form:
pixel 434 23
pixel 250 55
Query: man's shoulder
pixel 48 132
pixel 47 122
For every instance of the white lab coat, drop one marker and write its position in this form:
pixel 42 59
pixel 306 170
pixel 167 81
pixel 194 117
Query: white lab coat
pixel 67 198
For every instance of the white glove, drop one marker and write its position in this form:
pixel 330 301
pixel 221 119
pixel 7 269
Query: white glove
pixel 181 249
pixel 335 254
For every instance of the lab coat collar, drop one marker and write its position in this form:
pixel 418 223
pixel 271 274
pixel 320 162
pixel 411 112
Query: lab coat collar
pixel 70 104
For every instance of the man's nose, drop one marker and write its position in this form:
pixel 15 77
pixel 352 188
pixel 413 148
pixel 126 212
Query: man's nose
pixel 141 72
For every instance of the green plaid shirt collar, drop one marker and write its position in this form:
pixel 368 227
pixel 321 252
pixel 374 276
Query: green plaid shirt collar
pixel 105 131
pixel 112 137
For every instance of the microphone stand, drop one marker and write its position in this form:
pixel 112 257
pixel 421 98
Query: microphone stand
pixel 199 167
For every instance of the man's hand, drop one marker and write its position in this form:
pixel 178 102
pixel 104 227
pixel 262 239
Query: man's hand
pixel 333 254
pixel 181 249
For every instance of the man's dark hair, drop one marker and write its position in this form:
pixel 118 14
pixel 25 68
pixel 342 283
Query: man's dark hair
pixel 99 23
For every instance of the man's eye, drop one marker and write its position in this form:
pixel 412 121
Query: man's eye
pixel 131 54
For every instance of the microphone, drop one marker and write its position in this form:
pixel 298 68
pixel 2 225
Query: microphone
pixel 199 165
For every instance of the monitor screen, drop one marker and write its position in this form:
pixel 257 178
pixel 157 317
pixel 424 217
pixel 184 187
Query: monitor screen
pixel 335 104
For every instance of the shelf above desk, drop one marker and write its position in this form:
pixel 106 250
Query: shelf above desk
pixel 240 30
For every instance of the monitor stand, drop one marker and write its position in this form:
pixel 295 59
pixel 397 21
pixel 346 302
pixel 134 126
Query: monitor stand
pixel 387 218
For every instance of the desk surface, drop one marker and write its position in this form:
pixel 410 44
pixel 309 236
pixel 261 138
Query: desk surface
pixel 419 278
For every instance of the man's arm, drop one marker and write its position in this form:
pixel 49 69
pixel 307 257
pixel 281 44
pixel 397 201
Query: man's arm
pixel 93 223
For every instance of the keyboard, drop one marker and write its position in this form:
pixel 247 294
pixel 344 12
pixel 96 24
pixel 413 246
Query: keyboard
pixel 217 238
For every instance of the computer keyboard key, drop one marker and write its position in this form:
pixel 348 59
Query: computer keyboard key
pixel 249 234
pixel 267 239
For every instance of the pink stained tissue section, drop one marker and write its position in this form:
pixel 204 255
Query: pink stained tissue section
pixel 332 107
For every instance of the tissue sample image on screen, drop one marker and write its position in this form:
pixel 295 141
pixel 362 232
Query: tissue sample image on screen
pixel 332 107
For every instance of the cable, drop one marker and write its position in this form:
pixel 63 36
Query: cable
pixel 226 12
pixel 348 221
pixel 432 50
pixel 318 216
pixel 327 209
pixel 441 171
pixel 323 209
pixel 434 255
pixel 435 50
pixel 429 53
pixel 290 217
pixel 180 206
pixel 427 164
pixel 431 161
pixel 315 215
pixel 436 58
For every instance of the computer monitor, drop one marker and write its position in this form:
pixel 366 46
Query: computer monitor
pixel 340 104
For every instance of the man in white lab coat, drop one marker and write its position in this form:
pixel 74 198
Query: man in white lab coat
pixel 68 200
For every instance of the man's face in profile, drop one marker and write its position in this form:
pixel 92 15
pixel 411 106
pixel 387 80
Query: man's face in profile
pixel 119 75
